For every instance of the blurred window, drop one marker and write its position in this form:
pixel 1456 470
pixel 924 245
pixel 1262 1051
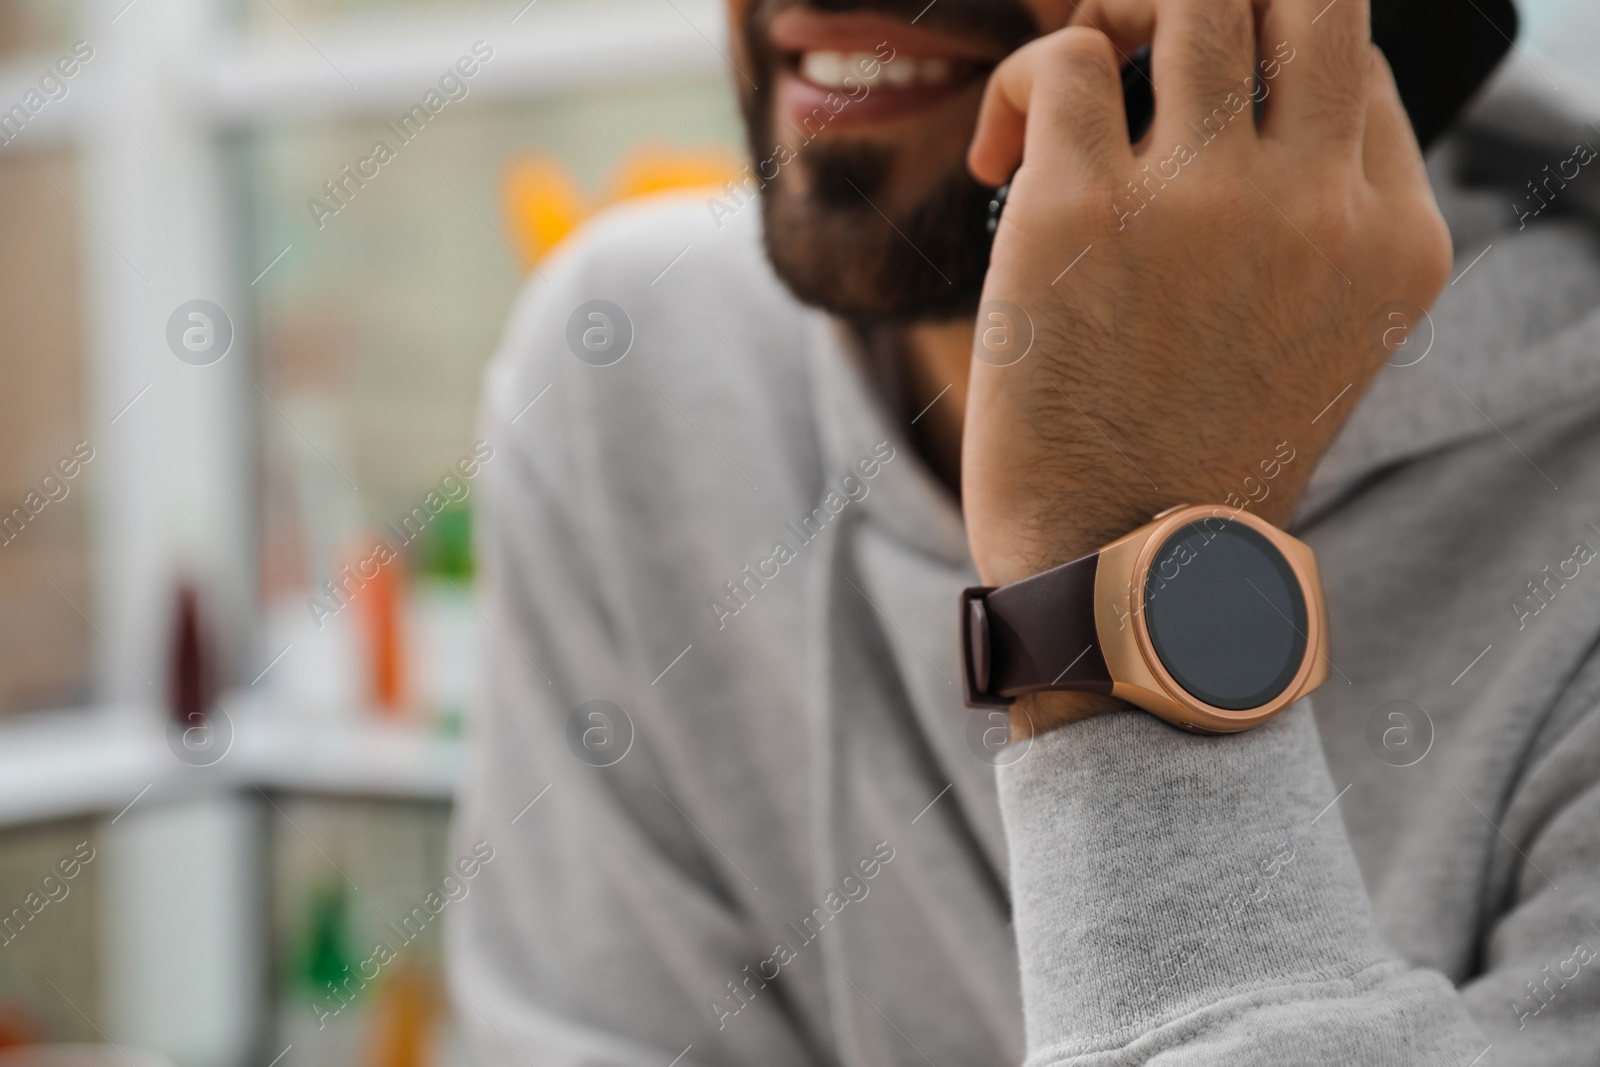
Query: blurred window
pixel 374 328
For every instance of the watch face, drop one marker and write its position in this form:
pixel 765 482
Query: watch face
pixel 1225 613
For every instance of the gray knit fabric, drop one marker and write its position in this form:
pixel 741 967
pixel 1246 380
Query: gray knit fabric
pixel 783 839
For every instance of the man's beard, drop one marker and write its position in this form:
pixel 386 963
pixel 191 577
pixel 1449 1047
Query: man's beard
pixel 834 235
pixel 832 248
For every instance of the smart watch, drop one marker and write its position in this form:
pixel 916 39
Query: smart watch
pixel 1207 616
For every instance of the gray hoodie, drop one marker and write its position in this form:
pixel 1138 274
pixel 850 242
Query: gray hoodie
pixel 740 815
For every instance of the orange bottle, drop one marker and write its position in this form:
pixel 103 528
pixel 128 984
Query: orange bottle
pixel 404 1019
pixel 382 601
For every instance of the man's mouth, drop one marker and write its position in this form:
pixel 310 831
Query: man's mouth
pixel 848 70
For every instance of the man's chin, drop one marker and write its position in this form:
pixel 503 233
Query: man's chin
pixel 849 260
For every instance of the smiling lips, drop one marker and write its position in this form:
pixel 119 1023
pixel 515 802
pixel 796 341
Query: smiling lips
pixel 903 68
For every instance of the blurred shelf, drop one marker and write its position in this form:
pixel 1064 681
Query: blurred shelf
pixel 97 761
pixel 377 64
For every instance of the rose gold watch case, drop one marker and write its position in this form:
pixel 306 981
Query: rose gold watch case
pixel 1137 673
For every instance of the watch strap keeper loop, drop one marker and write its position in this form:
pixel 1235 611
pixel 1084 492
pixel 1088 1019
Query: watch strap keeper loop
pixel 975 650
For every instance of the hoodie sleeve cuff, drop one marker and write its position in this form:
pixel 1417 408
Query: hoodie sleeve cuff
pixel 1156 874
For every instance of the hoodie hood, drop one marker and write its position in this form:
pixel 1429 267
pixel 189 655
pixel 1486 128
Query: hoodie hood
pixel 1515 336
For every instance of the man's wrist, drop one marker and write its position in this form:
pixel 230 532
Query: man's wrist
pixel 1042 711
pixel 1015 554
pixel 1036 713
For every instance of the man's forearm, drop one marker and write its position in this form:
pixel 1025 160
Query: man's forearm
pixel 1197 896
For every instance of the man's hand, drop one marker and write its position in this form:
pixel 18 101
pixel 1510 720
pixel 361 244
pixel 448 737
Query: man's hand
pixel 1229 278
pixel 1224 280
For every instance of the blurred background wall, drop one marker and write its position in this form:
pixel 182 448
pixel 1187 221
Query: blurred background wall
pixel 243 863
pixel 219 781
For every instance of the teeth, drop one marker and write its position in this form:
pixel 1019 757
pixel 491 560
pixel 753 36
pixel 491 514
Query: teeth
pixel 826 69
pixel 830 70
pixel 902 70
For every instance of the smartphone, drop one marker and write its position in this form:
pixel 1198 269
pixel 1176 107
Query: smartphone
pixel 1441 51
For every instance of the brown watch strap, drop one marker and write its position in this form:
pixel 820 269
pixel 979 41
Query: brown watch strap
pixel 1033 635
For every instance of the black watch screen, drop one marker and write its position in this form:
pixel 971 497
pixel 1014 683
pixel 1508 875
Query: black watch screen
pixel 1226 614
